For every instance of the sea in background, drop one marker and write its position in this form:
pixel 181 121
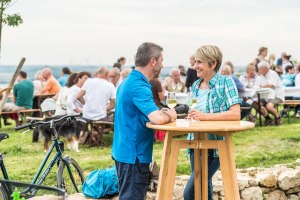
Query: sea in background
pixel 7 71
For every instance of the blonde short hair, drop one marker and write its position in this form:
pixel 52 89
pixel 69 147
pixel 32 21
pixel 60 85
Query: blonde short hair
pixel 249 66
pixel 125 72
pixel 210 54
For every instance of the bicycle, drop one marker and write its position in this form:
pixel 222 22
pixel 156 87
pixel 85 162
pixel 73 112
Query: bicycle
pixel 69 175
pixel 45 192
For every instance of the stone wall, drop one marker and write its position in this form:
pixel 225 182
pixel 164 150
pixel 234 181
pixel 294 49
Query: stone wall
pixel 276 183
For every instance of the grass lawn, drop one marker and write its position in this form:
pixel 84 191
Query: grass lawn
pixel 259 147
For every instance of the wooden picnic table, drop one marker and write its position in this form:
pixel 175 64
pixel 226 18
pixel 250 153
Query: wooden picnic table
pixel 201 129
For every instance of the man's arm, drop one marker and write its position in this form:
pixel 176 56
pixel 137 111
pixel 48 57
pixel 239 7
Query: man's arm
pixel 111 104
pixel 4 89
pixel 162 116
pixel 80 96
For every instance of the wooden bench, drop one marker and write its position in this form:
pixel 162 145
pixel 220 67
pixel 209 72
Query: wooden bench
pixel 22 113
pixel 93 132
pixel 291 104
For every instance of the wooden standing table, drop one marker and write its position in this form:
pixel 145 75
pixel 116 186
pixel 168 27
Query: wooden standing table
pixel 200 144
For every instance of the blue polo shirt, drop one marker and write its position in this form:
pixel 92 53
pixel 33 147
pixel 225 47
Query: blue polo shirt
pixel 134 102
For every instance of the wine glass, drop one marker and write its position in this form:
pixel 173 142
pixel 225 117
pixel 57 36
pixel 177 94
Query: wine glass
pixel 192 100
pixel 171 100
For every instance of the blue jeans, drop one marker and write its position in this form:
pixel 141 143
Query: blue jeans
pixel 213 166
pixel 133 180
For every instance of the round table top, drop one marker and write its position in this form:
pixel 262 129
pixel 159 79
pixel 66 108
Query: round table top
pixel 183 125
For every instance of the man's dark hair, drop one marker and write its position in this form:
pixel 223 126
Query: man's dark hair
pixel 66 70
pixel 23 74
pixel 145 52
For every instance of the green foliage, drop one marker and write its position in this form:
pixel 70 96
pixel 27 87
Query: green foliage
pixel 12 20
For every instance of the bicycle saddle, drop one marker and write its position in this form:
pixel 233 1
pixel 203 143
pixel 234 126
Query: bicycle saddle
pixel 3 136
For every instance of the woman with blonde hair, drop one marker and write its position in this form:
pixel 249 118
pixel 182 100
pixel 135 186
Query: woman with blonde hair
pixel 218 100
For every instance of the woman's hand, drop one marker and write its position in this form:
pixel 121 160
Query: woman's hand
pixel 196 115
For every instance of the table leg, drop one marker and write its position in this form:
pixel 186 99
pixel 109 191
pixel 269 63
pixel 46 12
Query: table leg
pixel 164 167
pixel 197 169
pixel 259 110
pixel 288 113
pixel 175 146
pixel 228 168
pixel 204 170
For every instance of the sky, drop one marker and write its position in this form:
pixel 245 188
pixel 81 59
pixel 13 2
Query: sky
pixel 98 32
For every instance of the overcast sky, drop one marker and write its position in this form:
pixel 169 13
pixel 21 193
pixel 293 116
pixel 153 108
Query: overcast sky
pixel 97 32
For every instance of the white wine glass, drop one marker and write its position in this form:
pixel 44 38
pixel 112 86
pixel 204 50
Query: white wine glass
pixel 171 100
pixel 192 100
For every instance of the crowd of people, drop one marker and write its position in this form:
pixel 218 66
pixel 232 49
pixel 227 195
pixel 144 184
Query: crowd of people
pixel 136 96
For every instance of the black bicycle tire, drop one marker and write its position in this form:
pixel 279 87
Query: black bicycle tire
pixel 61 169
pixel 3 193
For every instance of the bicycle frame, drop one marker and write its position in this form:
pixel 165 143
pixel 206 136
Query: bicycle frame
pixel 58 157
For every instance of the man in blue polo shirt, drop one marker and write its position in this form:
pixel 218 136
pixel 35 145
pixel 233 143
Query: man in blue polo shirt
pixel 133 141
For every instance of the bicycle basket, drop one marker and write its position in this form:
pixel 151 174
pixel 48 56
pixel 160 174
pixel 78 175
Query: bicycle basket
pixel 11 189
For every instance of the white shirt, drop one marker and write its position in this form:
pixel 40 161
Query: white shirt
pixel 37 87
pixel 97 94
pixel 297 80
pixel 272 78
pixel 250 83
pixel 61 102
pixel 72 101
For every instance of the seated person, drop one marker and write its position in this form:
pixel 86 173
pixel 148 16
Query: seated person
pixel 22 96
pixel 97 92
pixel 250 79
pixel 52 86
pixel 174 83
pixel 270 79
pixel 74 106
pixel 62 96
pixel 114 76
pixel 65 73
pixel 288 79
pixel 226 70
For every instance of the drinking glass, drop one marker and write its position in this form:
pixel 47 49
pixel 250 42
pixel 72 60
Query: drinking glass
pixel 192 100
pixel 171 100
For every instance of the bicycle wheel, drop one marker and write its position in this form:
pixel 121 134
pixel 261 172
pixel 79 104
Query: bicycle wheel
pixel 3 193
pixel 64 179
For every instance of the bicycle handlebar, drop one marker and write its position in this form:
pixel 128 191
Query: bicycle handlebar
pixel 34 123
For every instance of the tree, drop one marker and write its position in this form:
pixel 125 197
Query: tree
pixel 6 19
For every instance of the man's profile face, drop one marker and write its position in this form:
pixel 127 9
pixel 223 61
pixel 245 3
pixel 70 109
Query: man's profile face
pixel 157 66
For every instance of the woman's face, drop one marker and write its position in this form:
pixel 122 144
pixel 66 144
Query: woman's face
pixel 251 72
pixel 203 69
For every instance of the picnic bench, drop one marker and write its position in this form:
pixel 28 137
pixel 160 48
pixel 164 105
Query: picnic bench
pixel 22 113
pixel 291 104
pixel 93 132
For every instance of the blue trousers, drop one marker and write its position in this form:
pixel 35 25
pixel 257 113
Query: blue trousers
pixel 133 180
pixel 213 166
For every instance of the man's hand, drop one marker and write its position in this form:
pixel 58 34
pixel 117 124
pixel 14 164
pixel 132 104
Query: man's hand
pixel 171 113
